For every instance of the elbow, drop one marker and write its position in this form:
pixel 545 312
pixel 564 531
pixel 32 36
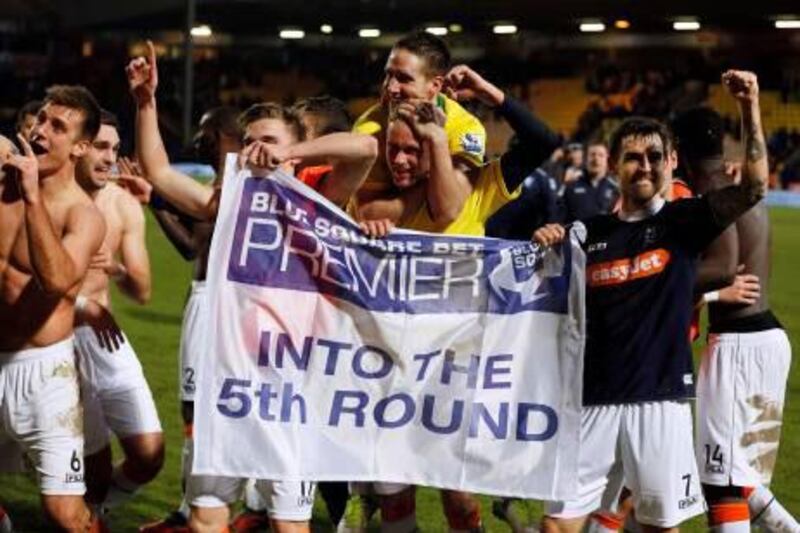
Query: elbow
pixel 728 275
pixel 444 217
pixel 761 191
pixel 143 295
pixel 57 287
pixel 718 277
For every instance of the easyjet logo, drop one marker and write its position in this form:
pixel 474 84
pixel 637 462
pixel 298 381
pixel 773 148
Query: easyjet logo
pixel 643 265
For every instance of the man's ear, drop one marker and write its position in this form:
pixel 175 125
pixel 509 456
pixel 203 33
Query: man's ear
pixel 673 159
pixel 437 82
pixel 80 148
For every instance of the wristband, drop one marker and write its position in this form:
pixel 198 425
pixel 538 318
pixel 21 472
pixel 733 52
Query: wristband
pixel 80 303
pixel 712 296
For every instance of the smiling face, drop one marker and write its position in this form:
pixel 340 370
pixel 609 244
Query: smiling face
pixel 405 156
pixel 94 169
pixel 406 77
pixel 641 168
pixel 57 138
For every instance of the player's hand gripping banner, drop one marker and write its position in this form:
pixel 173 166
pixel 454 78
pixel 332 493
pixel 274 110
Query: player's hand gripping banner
pixel 434 360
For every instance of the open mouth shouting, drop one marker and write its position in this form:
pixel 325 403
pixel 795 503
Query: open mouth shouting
pixel 37 147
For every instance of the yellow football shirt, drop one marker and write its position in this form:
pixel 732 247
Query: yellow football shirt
pixel 488 195
pixel 466 138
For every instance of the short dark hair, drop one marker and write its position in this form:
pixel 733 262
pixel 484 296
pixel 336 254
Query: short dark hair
pixel 30 108
pixel 223 119
pixel 639 127
pixel 430 48
pixel 699 134
pixel 330 111
pixel 273 110
pixel 107 118
pixel 77 97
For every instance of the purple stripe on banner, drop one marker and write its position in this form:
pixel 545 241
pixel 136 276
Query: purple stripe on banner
pixel 284 239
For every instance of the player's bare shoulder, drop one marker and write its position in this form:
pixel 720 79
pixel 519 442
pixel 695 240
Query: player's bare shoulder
pixel 126 205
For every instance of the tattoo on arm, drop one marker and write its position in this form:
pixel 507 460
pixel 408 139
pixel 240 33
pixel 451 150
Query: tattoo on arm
pixel 756 148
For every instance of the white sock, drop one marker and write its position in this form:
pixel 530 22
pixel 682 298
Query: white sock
pixel 121 490
pixel 187 453
pixel 767 512
pixel 183 508
pixel 406 525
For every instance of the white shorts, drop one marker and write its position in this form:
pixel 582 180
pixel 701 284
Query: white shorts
pixel 193 331
pixel 740 392
pixel 41 415
pixel 116 396
pixel 285 500
pixel 651 445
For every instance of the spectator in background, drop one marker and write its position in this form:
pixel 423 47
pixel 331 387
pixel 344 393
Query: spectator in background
pixel 26 118
pixel 594 192
pixel 573 169
pixel 565 164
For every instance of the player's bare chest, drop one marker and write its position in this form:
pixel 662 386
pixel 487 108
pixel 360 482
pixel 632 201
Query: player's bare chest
pixel 14 234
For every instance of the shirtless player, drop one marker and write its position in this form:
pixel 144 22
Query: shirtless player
pixel 49 230
pixel 115 394
pixel 742 378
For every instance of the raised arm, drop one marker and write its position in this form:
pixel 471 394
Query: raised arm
pixel 178 231
pixel 448 186
pixel 134 276
pixel 182 191
pixel 59 263
pixel 535 141
pixel 351 156
pixel 731 202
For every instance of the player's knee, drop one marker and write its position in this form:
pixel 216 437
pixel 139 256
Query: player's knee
pixel 145 456
pixel 208 520
pixel 67 513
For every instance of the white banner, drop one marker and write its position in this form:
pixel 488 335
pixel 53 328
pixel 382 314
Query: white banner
pixel 444 361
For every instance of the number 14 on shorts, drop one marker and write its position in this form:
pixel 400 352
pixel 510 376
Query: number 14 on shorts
pixel 714 463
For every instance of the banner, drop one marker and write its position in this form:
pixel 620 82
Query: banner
pixel 443 361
